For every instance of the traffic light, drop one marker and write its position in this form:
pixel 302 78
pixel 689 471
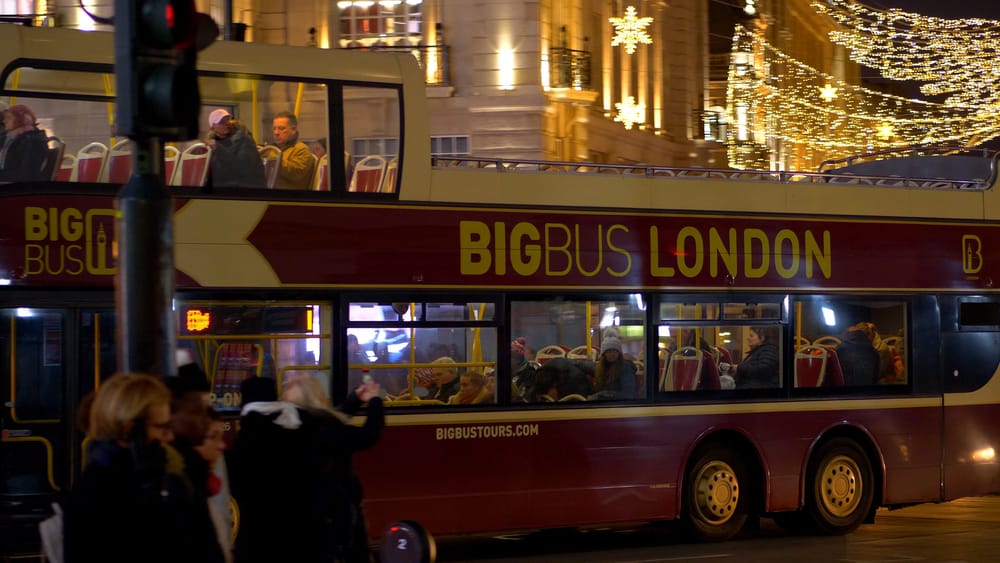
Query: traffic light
pixel 156 42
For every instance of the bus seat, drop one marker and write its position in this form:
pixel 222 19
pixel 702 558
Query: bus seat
pixel 389 181
pixel 270 155
pixel 834 374
pixel 67 169
pixel 321 179
pixel 192 167
pixel 90 162
pixel 572 397
pixel 119 165
pixel 722 354
pixel 801 341
pixel 583 353
pixel 810 366
pixel 53 158
pixel 546 353
pixel 664 381
pixel 831 341
pixel 685 369
pixel 170 156
pixel 367 175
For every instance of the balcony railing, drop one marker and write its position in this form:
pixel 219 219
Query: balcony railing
pixel 433 60
pixel 569 68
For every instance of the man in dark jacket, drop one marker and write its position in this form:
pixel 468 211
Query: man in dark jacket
pixel 858 358
pixel 235 160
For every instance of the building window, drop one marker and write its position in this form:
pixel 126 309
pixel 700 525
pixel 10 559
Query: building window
pixel 453 145
pixel 368 21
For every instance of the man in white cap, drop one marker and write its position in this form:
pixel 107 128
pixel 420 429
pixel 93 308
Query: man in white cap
pixel 235 160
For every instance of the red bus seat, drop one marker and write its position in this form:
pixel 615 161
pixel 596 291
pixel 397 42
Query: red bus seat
pixel 119 164
pixel 817 366
pixel 368 174
pixel 90 162
pixel 684 373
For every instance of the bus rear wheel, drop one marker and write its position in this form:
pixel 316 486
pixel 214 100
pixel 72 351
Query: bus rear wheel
pixel 841 487
pixel 714 505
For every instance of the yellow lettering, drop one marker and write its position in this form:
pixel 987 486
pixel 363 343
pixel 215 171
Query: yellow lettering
pixel 525 263
pixel 789 271
pixel 500 260
pixel 73 258
pixel 688 269
pixel 551 247
pixel 35 227
pixel 33 263
pixel 599 253
pixel 655 269
pixel 53 224
pixel 71 224
pixel 717 250
pixel 474 242
pixel 749 270
pixel 822 257
pixel 614 248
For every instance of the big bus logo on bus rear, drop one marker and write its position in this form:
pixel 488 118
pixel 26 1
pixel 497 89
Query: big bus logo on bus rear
pixel 69 241
pixel 972 254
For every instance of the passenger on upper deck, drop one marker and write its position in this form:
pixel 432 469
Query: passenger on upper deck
pixel 235 160
pixel 522 370
pixel 859 361
pixel 23 148
pixel 759 369
pixel 614 376
pixel 472 390
pixel 445 379
pixel 297 161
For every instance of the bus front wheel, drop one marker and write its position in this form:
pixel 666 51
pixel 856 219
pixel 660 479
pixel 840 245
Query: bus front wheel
pixel 841 487
pixel 714 506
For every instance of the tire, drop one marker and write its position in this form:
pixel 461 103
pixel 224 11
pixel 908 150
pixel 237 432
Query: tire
pixel 714 505
pixel 840 487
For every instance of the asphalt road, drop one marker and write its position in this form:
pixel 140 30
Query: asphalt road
pixel 966 530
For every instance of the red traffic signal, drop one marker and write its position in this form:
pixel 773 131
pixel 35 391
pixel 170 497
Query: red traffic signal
pixel 168 24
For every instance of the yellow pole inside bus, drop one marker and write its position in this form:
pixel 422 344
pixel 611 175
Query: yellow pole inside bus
pixel 798 324
pixel 298 99
pixel 15 82
pixel 109 91
pixel 254 114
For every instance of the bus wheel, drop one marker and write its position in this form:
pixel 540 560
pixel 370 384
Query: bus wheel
pixel 714 506
pixel 841 487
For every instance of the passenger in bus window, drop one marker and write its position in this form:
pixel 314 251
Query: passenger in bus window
pixel 759 369
pixel 235 160
pixel 445 379
pixel 24 146
pixel 472 390
pixel 890 364
pixel 522 369
pixel 297 161
pixel 614 376
pixel 559 378
pixel 859 360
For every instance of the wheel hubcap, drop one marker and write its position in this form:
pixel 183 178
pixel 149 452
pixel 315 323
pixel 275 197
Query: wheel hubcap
pixel 717 492
pixel 840 486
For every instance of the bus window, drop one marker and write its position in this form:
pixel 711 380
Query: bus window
pixel 372 138
pixel 849 342
pixel 236 341
pixel 711 346
pixel 424 353
pixel 556 353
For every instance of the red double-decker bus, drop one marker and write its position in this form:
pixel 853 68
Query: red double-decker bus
pixel 803 346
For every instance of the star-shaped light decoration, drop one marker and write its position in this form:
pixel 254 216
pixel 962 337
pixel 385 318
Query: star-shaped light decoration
pixel 630 30
pixel 885 131
pixel 630 113
pixel 827 93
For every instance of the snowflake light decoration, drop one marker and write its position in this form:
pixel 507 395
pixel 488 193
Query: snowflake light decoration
pixel 630 30
pixel 630 113
pixel 827 93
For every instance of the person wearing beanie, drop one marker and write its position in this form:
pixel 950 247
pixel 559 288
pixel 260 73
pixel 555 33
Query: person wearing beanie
pixel 614 376
pixel 522 370
pixel 235 160
pixel 23 147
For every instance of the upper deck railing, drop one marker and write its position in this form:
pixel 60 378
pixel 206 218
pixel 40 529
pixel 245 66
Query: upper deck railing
pixel 514 166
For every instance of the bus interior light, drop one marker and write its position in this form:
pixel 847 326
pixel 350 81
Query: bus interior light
pixel 24 312
pixel 5 281
pixel 984 455
pixel 829 317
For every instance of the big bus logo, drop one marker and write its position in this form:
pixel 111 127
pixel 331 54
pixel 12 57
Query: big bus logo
pixel 69 241
pixel 972 254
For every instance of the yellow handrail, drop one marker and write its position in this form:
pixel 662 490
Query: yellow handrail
pixel 48 454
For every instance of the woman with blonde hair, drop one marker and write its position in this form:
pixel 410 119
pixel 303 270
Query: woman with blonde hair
pixel 130 503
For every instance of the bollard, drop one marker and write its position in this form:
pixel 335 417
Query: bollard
pixel 407 542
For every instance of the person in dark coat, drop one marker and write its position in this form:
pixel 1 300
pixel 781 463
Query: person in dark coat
pixel 291 475
pixel 614 376
pixel 235 160
pixel 23 148
pixel 130 503
pixel 759 369
pixel 859 360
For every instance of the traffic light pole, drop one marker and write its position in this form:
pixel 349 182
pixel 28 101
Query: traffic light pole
pixel 145 289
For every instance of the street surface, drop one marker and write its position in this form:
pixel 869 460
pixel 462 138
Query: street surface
pixel 966 530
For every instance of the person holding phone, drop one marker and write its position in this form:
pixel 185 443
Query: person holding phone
pixel 129 503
